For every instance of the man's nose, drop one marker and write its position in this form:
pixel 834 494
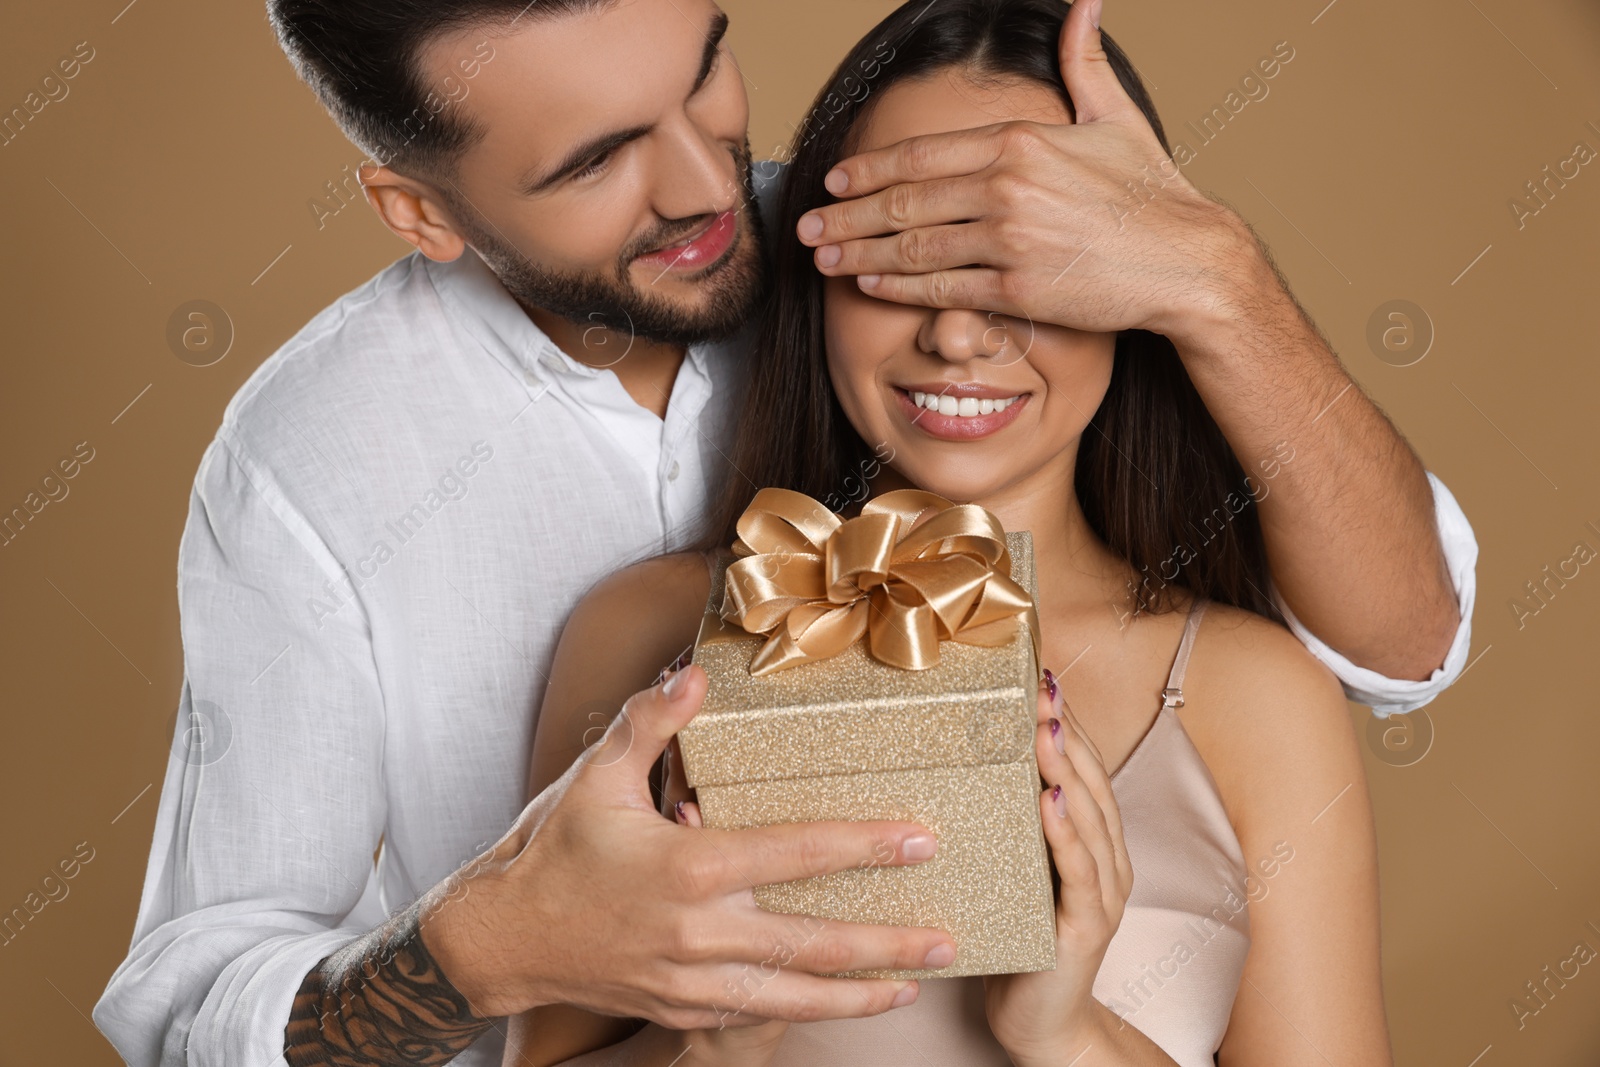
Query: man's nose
pixel 960 335
pixel 698 175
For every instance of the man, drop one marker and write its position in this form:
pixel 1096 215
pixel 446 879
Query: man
pixel 403 504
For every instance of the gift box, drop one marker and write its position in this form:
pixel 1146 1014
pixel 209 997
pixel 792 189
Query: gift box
pixel 884 667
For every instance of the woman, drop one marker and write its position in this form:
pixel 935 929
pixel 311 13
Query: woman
pixel 1219 888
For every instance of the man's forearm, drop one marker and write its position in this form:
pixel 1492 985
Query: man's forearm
pixel 1349 521
pixel 382 1000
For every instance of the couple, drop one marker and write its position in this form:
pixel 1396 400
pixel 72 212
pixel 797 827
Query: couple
pixel 1139 391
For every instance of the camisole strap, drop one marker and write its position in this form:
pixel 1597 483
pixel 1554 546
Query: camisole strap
pixel 1172 695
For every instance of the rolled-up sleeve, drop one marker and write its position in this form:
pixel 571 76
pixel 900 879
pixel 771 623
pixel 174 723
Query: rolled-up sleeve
pixel 272 802
pixel 1389 696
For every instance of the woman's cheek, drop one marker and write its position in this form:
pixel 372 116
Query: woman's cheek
pixel 847 316
pixel 1079 370
pixel 854 331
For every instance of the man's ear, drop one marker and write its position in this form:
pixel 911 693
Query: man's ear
pixel 413 211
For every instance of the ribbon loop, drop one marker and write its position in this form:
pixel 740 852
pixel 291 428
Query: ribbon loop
pixel 911 570
pixel 780 520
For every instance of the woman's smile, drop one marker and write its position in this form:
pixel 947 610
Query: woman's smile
pixel 967 412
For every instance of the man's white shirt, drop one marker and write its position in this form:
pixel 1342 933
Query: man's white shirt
pixel 399 511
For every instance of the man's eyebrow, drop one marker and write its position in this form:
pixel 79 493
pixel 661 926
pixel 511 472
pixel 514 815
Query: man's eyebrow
pixel 580 157
pixel 714 36
pixel 532 183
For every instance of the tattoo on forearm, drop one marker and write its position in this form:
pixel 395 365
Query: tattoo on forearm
pixel 381 1000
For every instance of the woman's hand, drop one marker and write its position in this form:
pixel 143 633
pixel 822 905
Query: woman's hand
pixel 1044 1016
pixel 733 1046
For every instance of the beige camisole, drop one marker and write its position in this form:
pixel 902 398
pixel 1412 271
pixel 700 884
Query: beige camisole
pixel 1172 968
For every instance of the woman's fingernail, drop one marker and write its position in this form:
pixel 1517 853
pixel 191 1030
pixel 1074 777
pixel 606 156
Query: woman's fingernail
pixel 918 847
pixel 1094 12
pixel 869 281
pixel 837 182
pixel 678 807
pixel 810 227
pixel 1055 727
pixel 940 956
pixel 1060 801
pixel 1060 735
pixel 829 256
pixel 907 994
pixel 672 688
pixel 1050 684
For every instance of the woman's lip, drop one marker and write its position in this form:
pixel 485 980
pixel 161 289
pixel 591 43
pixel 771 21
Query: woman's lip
pixel 959 427
pixel 700 252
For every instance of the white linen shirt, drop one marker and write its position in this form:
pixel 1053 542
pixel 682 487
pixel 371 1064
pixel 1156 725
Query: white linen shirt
pixel 399 511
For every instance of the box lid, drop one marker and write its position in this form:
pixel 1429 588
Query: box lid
pixel 852 713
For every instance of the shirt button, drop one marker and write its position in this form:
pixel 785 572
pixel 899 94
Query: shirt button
pixel 674 471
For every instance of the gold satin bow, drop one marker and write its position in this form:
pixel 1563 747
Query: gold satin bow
pixel 911 570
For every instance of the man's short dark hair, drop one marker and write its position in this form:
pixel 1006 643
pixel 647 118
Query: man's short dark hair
pixel 362 58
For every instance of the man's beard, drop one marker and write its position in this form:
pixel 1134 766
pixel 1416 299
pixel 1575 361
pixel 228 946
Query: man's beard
pixel 731 288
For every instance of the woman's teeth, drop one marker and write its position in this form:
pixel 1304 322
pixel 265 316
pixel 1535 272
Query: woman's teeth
pixel 964 407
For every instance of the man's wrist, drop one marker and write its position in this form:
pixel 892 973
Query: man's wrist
pixel 1235 285
pixel 457 927
pixel 382 999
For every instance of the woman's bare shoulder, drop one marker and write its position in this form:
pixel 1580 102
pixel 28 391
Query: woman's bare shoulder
pixel 1269 719
pixel 622 634
pixel 1250 651
pixel 678 583
pixel 640 614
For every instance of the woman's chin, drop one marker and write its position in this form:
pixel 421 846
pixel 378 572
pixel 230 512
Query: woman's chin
pixel 963 487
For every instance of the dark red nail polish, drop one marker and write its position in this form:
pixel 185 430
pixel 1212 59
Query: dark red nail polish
pixel 1055 727
pixel 1050 683
pixel 678 807
pixel 1055 794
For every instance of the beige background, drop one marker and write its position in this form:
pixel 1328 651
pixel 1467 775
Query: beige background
pixel 1380 167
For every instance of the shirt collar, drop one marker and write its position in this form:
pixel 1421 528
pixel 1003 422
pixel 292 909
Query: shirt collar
pixel 476 301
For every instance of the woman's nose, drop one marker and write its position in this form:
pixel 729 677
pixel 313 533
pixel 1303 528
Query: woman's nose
pixel 962 335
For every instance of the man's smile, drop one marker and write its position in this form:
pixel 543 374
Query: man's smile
pixel 699 250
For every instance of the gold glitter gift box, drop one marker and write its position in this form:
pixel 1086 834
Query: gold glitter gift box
pixel 847 736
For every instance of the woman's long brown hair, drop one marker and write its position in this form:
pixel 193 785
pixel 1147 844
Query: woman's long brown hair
pixel 1155 476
